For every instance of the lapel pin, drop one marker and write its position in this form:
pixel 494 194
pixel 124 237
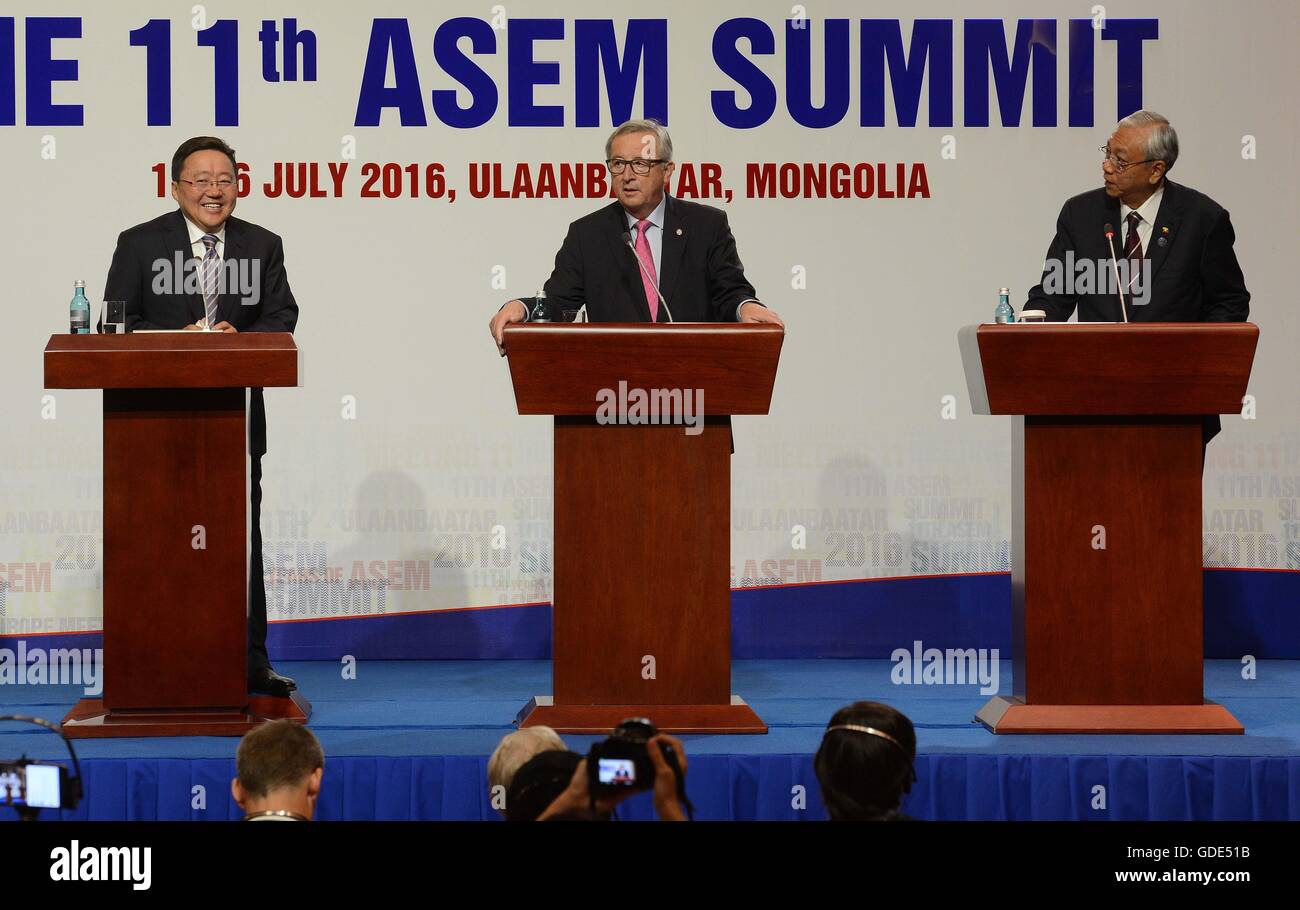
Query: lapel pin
pixel 679 232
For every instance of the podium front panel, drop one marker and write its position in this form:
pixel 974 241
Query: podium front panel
pixel 175 544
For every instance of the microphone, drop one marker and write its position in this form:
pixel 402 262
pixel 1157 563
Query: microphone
pixel 1114 263
pixel 627 238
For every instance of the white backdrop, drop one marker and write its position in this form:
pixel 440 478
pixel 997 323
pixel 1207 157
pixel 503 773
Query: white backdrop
pixel 395 295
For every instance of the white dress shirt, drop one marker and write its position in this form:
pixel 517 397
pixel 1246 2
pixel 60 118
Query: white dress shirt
pixel 1148 212
pixel 196 240
pixel 200 249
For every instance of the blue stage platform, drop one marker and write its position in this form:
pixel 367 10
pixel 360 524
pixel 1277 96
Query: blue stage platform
pixel 410 740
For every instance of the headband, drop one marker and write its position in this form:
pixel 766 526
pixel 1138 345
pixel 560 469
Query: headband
pixel 869 730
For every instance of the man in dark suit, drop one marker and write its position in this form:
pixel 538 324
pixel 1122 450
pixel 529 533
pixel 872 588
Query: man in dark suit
pixel 200 268
pixel 647 257
pixel 1173 245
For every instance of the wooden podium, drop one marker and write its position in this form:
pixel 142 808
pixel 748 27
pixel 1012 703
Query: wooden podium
pixel 1106 582
pixel 642 558
pixel 175 527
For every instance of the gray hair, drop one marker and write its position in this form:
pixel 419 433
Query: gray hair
pixel 516 748
pixel 1162 142
pixel 663 142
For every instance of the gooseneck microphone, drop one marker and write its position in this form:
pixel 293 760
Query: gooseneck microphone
pixel 1114 264
pixel 627 239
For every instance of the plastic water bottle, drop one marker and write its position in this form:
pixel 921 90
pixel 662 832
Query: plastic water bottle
pixel 541 312
pixel 79 311
pixel 1004 313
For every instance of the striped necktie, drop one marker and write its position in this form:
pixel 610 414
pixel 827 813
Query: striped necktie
pixel 211 272
pixel 1133 249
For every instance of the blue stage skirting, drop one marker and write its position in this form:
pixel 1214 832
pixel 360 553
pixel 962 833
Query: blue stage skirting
pixel 1250 611
pixel 410 740
pixel 747 788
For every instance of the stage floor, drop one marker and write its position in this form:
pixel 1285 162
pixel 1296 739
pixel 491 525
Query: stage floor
pixel 454 713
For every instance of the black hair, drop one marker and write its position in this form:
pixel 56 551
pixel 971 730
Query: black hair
pixel 202 144
pixel 538 782
pixel 864 776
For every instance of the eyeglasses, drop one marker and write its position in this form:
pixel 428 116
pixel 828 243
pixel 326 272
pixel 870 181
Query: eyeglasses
pixel 640 166
pixel 1120 166
pixel 203 185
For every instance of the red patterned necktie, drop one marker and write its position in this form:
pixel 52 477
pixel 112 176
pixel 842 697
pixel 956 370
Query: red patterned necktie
pixel 648 276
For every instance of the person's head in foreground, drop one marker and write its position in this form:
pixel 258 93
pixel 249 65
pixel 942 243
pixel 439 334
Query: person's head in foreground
pixel 864 764
pixel 538 783
pixel 514 750
pixel 278 768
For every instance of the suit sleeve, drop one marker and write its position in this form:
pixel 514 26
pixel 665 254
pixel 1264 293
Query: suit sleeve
pixel 1225 298
pixel 1058 306
pixel 728 287
pixel 567 286
pixel 279 309
pixel 126 282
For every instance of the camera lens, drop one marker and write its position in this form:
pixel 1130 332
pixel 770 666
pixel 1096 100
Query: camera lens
pixel 635 729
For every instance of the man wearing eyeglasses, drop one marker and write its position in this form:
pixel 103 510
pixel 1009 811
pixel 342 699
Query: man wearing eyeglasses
pixel 200 268
pixel 1172 245
pixel 646 257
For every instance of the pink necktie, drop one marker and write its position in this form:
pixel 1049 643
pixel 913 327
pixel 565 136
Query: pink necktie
pixel 648 276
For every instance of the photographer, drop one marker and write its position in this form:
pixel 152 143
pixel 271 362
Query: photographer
pixel 576 802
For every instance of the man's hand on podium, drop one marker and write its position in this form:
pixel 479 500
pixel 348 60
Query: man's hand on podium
pixel 514 311
pixel 222 326
pixel 756 312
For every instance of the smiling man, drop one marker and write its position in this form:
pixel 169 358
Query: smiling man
pixel 199 267
pixel 648 256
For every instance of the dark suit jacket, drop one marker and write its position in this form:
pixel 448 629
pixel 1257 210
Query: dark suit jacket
pixel 700 274
pixel 132 273
pixel 1194 272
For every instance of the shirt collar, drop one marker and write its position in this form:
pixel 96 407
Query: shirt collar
pixel 196 233
pixel 1147 210
pixel 656 217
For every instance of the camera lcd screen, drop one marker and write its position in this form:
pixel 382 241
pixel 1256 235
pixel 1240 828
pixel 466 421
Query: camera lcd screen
pixel 43 786
pixel 617 772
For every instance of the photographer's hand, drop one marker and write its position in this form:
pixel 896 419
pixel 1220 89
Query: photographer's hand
pixel 576 799
pixel 667 806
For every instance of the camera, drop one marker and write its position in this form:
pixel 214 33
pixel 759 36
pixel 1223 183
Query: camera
pixel 621 764
pixel 32 785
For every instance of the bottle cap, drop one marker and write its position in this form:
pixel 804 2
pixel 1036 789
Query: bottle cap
pixel 1004 290
pixel 79 284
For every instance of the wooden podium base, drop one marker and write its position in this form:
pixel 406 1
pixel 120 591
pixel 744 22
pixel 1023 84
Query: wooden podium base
pixel 736 717
pixel 1012 715
pixel 91 720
